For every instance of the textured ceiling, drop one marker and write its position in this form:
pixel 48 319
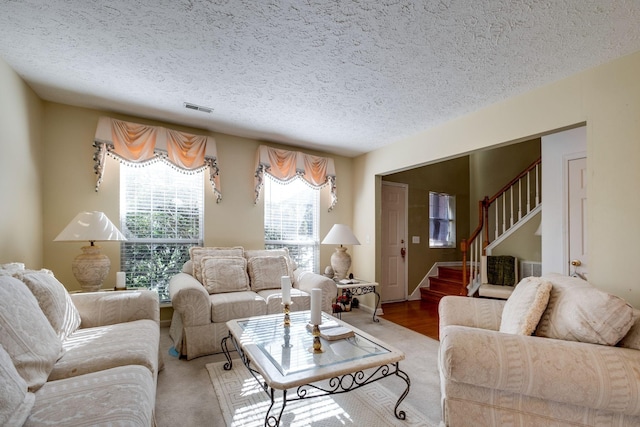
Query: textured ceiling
pixel 342 76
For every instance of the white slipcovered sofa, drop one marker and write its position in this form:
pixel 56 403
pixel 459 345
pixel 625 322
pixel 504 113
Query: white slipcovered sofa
pixel 220 284
pixel 75 360
pixel 571 360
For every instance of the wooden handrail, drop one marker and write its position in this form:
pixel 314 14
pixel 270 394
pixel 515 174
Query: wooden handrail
pixel 522 174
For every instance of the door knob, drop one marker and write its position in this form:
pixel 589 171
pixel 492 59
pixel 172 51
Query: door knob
pixel 576 263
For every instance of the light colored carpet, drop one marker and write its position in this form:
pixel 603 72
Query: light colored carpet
pixel 185 396
pixel 244 404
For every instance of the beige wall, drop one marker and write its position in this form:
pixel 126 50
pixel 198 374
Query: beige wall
pixel 451 177
pixel 607 98
pixel 70 183
pixel 20 171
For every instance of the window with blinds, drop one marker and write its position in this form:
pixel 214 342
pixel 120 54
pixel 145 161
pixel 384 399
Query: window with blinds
pixel 442 220
pixel 291 220
pixel 162 215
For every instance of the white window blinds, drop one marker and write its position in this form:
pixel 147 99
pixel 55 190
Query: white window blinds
pixel 162 215
pixel 291 220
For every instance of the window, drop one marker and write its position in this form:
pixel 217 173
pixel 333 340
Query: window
pixel 291 217
pixel 161 214
pixel 442 220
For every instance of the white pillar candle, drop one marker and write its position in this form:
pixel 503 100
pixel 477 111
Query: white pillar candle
pixel 121 281
pixel 285 281
pixel 316 306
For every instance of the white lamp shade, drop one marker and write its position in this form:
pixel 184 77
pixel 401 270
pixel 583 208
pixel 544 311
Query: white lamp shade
pixel 340 234
pixel 90 226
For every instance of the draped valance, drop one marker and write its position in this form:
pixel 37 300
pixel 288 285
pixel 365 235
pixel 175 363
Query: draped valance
pixel 285 166
pixel 140 145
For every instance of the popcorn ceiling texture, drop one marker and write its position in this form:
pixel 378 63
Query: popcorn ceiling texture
pixel 342 76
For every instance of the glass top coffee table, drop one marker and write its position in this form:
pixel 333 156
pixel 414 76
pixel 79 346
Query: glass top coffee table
pixel 285 360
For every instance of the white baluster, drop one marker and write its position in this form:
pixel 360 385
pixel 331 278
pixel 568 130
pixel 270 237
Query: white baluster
pixel 519 199
pixel 511 203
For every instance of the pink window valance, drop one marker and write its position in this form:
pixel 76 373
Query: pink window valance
pixel 138 144
pixel 285 166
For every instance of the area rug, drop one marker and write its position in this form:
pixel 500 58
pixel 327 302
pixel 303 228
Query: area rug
pixel 244 404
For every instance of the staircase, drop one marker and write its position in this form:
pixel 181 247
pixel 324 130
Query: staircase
pixel 449 281
pixel 498 216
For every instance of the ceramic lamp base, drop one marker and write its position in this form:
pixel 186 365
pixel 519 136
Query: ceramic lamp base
pixel 340 262
pixel 90 268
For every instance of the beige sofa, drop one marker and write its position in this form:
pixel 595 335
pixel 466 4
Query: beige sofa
pixel 581 366
pixel 75 360
pixel 221 284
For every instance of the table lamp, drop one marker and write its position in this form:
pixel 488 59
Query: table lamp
pixel 340 234
pixel 91 267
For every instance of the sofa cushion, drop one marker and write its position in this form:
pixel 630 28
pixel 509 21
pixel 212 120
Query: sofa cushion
pixel 579 312
pixel 122 396
pixel 196 254
pixel 15 400
pixel 224 274
pixel 525 306
pixel 54 300
pixel 104 347
pixel 26 334
pixel 266 272
pixel 236 305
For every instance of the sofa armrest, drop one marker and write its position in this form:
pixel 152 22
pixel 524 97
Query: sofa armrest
pixel 190 299
pixel 474 312
pixel 582 374
pixel 307 280
pixel 108 308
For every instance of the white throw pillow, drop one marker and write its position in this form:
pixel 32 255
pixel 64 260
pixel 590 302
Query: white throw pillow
pixel 265 272
pixel 54 300
pixel 291 264
pixel 525 306
pixel 579 312
pixel 224 274
pixel 15 400
pixel 197 253
pixel 26 334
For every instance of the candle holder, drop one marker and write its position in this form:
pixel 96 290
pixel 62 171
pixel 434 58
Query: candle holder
pixel 317 345
pixel 287 339
pixel 286 309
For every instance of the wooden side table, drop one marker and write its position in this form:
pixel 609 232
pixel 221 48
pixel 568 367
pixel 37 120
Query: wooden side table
pixel 359 287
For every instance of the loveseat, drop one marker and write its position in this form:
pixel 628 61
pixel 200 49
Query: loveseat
pixel 571 359
pixel 75 359
pixel 220 284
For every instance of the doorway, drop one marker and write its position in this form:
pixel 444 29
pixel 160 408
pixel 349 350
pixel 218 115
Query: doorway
pixel 394 242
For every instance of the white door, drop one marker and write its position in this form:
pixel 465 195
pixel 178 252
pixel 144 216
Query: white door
pixel 577 216
pixel 394 242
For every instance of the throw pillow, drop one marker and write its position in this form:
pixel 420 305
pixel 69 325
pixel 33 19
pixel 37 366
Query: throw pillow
pixel 197 253
pixel 265 272
pixel 25 333
pixel 291 265
pixel 525 306
pixel 579 312
pixel 15 400
pixel 501 270
pixel 632 339
pixel 224 274
pixel 54 300
pixel 11 268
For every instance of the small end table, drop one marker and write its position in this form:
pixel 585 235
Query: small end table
pixel 359 287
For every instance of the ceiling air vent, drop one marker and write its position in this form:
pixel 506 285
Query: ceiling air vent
pixel 191 106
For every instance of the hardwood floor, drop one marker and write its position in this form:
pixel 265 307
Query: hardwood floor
pixel 420 316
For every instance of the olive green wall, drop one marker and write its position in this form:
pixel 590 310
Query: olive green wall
pixel 451 177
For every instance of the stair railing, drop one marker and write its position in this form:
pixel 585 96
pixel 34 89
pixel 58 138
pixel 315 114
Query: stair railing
pixel 505 208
